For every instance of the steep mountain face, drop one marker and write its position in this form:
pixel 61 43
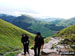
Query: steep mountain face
pixel 67 33
pixel 10 37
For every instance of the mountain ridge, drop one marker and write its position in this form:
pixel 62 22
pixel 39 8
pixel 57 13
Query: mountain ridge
pixel 34 25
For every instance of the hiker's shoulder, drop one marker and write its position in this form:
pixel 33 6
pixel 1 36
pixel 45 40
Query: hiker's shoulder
pixel 42 37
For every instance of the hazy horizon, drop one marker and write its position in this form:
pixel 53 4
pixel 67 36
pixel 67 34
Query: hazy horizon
pixel 39 8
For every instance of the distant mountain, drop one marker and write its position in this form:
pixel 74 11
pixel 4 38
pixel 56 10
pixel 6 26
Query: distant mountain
pixel 24 22
pixel 47 26
pixel 32 25
pixel 65 23
pixel 8 18
pixel 54 27
pixel 48 19
pixel 10 37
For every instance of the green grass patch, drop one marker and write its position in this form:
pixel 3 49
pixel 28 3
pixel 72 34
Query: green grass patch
pixel 12 54
pixel 10 37
pixel 47 39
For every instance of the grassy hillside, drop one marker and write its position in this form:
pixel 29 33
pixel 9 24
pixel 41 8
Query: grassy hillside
pixel 10 36
pixel 40 27
pixel 68 33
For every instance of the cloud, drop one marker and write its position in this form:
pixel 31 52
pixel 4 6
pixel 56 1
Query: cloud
pixel 39 8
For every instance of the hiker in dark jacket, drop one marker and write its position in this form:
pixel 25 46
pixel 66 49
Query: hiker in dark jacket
pixel 38 44
pixel 25 42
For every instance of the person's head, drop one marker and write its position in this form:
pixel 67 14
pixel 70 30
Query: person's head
pixel 23 35
pixel 38 34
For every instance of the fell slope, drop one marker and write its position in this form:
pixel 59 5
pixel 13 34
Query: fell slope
pixel 68 33
pixel 10 36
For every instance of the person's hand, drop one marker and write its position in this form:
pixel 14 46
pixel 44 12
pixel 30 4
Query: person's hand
pixel 34 43
pixel 42 46
pixel 22 45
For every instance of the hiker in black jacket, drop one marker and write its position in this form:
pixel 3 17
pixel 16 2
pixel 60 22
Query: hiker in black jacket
pixel 25 42
pixel 38 44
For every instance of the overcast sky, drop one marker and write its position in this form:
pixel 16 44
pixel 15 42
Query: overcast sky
pixel 39 8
